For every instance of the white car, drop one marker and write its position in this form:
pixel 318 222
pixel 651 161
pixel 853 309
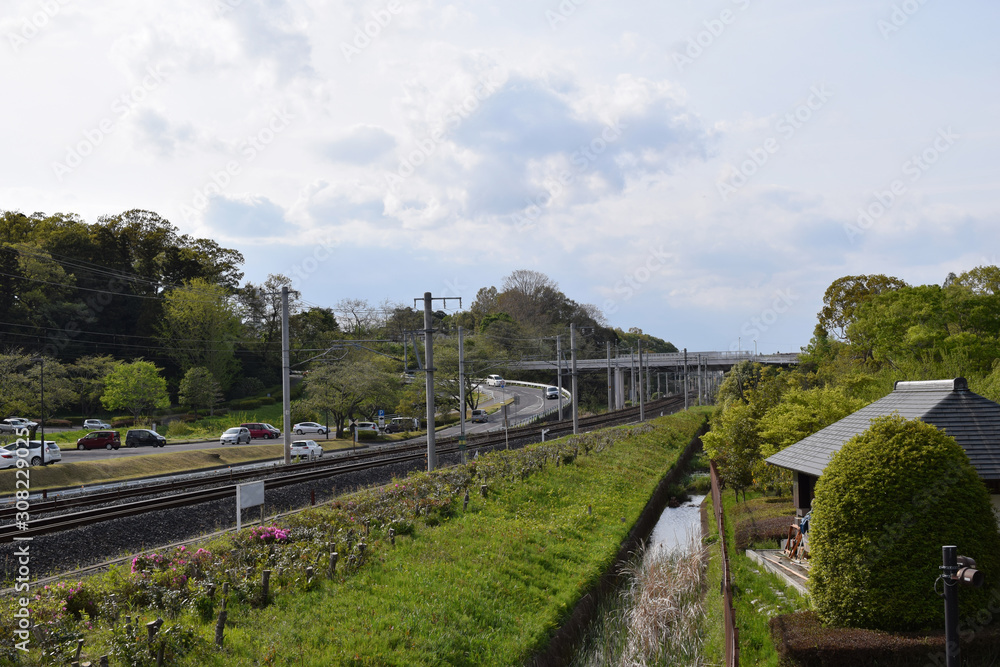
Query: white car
pixel 235 436
pixel 551 392
pixel 306 448
pixel 95 425
pixel 310 427
pixel 480 416
pixel 494 381
pixel 7 459
pixel 52 452
pixel 19 422
pixel 367 426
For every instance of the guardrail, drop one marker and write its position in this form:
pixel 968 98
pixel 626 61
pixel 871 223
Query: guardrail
pixel 525 421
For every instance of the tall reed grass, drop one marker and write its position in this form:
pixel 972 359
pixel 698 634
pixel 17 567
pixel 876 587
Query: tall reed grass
pixel 657 618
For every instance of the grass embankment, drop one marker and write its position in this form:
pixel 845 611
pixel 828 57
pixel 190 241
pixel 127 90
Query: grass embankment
pixel 758 595
pixel 486 585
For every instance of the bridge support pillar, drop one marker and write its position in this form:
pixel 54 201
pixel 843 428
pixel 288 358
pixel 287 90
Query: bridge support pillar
pixel 619 388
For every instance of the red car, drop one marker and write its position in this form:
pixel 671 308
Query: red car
pixel 99 439
pixel 260 430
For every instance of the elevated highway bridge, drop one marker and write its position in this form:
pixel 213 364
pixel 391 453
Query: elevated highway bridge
pixel 661 373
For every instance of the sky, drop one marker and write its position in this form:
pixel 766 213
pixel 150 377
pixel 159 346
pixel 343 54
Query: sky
pixel 700 170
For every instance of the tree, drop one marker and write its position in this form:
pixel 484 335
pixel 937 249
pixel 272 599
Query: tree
pixel 348 388
pixel 199 389
pixel 886 504
pixel 844 295
pixel 200 328
pixel 136 387
pixel 89 374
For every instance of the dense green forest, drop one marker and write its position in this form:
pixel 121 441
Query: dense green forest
pixel 89 298
pixel 872 331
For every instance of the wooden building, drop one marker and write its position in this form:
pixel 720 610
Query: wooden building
pixel 974 421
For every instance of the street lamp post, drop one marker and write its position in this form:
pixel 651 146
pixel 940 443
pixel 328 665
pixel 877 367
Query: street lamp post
pixel 41 388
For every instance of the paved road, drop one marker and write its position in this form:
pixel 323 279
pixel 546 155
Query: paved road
pixel 531 401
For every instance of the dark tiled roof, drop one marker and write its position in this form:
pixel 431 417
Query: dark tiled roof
pixel 974 421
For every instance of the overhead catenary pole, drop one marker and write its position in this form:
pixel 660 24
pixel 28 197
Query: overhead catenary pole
pixel 461 393
pixel 642 407
pixel 685 378
pixel 572 352
pixel 559 375
pixel 286 381
pixel 429 384
pixel 607 345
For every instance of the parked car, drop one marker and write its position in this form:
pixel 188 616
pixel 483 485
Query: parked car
pixel 20 422
pixel 258 430
pixel 93 424
pixel 480 416
pixel 399 425
pixel 275 431
pixel 370 427
pixel 552 392
pixel 494 381
pixel 137 437
pixel 7 459
pixel 52 452
pixel 235 436
pixel 310 427
pixel 306 448
pixel 99 439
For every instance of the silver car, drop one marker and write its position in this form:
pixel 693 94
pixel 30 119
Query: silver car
pixel 310 427
pixel 235 436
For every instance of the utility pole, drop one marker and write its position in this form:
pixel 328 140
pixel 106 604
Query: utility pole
pixel 429 382
pixel 685 378
pixel 642 407
pixel 559 374
pixel 607 345
pixel 461 393
pixel 286 382
pixel 572 351
pixel 429 373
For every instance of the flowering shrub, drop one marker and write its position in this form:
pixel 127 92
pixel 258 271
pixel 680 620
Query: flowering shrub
pixel 171 571
pixel 63 600
pixel 269 534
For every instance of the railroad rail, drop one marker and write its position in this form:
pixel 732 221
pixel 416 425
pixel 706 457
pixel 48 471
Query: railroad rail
pixel 303 472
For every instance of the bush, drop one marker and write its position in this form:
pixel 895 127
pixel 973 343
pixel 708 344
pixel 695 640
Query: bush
pixel 123 422
pixel 884 507
pixel 58 422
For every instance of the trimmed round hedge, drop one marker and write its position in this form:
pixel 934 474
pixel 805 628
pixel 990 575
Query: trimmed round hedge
pixel 885 505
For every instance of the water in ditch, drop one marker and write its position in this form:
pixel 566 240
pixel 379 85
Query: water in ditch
pixel 678 527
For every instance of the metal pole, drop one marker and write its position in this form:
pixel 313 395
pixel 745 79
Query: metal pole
pixel 559 374
pixel 461 392
pixel 429 385
pixel 949 567
pixel 685 378
pixel 642 408
pixel 699 379
pixel 607 345
pixel 572 352
pixel 41 387
pixel 286 381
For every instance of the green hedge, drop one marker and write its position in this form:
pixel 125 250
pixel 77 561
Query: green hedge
pixel 885 505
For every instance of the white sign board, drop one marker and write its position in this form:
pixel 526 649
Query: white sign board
pixel 250 494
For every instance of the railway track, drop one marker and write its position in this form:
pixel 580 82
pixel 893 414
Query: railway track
pixel 95 508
